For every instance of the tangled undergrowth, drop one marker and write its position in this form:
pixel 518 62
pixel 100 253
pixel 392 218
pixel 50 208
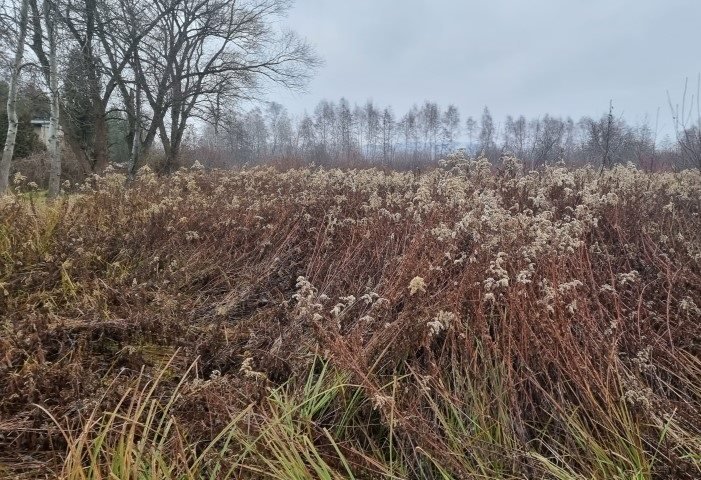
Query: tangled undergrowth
pixel 467 322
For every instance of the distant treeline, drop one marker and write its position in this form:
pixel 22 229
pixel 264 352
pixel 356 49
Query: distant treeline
pixel 338 133
pixel 341 133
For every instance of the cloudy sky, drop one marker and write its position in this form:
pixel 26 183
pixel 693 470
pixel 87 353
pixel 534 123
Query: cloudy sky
pixel 564 57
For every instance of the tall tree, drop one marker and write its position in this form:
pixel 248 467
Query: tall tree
pixel 606 138
pixel 344 128
pixel 54 143
pixel 199 47
pixel 44 44
pixel 372 129
pixel 388 129
pixel 280 128
pixel 257 134
pixel 325 125
pixel 471 129
pixel 135 134
pixel 520 134
pixel 487 134
pixel 12 119
pixel 409 126
pixel 450 123
pixel 687 124
pixel 430 122
pixel 79 119
pixel 360 121
pixel 306 136
pixel 547 142
pixel 86 128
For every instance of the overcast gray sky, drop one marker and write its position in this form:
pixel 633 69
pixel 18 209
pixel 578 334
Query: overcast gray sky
pixel 564 57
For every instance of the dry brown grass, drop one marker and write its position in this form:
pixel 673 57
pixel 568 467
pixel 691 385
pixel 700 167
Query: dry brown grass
pixel 461 323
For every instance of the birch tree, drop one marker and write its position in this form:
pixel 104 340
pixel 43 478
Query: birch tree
pixel 388 125
pixel 306 136
pixel 12 119
pixel 470 129
pixel 450 122
pixel 325 124
pixel 409 128
pixel 487 134
pixel 135 152
pixel 430 118
pixel 344 129
pixel 45 46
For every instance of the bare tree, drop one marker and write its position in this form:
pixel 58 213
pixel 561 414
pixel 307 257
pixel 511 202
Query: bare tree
pixel 344 129
pixel 520 136
pixel 471 129
pixel 388 129
pixel 606 137
pixel 547 143
pixel 372 118
pixel 325 124
pixel 645 144
pixel 687 123
pixel 198 47
pixel 44 44
pixel 409 126
pixel 135 151
pixel 80 20
pixel 450 123
pixel 280 128
pixel 570 139
pixel 487 134
pixel 21 17
pixel 54 147
pixel 430 118
pixel 508 145
pixel 306 136
pixel 359 123
pixel 257 134
pixel 106 36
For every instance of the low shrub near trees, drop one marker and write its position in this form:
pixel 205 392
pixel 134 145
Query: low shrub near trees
pixel 465 322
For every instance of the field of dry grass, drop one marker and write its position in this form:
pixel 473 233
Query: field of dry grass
pixel 465 322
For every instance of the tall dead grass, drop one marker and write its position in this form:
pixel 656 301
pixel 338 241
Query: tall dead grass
pixel 467 322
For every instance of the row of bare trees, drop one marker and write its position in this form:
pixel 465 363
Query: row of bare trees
pixel 158 64
pixel 338 132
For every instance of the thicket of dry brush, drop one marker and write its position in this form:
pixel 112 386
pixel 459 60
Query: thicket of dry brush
pixel 310 323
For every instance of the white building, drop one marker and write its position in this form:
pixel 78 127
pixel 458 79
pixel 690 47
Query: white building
pixel 41 128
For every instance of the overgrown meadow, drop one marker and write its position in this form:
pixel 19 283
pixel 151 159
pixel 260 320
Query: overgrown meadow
pixel 468 322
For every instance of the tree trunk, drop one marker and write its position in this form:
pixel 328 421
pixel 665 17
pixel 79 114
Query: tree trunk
pixel 164 167
pixel 99 116
pixel 54 141
pixel 136 139
pixel 12 120
pixel 78 150
pixel 101 157
pixel 171 146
